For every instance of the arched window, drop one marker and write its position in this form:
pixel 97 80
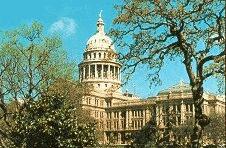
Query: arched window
pixel 104 55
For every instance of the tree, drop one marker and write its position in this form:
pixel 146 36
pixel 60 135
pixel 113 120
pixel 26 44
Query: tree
pixel 183 132
pixel 215 131
pixel 74 92
pixel 30 62
pixel 152 32
pixel 147 136
pixel 50 122
pixel 55 119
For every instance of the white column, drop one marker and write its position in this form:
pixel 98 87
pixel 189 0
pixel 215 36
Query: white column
pixel 89 75
pixel 182 112
pixel 127 119
pixel 193 110
pixel 119 120
pixel 144 114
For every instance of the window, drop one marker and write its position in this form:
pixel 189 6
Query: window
pixel 108 103
pixel 142 113
pixel 187 108
pixel 109 115
pixel 96 114
pixel 135 113
pixel 101 114
pixel 88 100
pixel 133 124
pixel 99 55
pixel 104 55
pixel 101 125
pixel 96 102
pixel 101 103
pixel 122 124
pixel 116 114
pixel 123 115
pixel 108 125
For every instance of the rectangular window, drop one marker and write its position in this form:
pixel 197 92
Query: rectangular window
pixel 132 124
pixel 122 124
pixel 109 125
pixel 109 115
pixel 89 100
pixel 101 114
pixel 187 107
pixel 96 114
pixel 135 124
pixel 101 103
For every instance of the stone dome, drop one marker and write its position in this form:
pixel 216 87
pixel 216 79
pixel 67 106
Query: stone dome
pixel 99 41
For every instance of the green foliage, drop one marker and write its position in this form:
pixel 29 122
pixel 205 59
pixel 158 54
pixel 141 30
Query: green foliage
pixel 34 64
pixel 154 32
pixel 29 62
pixel 147 136
pixel 193 32
pixel 215 131
pixel 49 122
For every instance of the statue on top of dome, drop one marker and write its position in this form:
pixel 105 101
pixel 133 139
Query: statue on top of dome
pixel 100 14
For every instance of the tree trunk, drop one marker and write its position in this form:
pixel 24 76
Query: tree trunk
pixel 201 119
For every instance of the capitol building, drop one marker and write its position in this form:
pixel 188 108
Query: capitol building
pixel 119 114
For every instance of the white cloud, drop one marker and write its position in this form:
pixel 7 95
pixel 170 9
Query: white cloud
pixel 65 26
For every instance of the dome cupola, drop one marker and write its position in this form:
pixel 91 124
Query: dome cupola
pixel 99 40
pixel 100 67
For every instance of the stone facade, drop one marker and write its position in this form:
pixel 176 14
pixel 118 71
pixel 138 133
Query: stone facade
pixel 121 114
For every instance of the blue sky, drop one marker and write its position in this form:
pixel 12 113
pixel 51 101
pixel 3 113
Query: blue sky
pixel 76 20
